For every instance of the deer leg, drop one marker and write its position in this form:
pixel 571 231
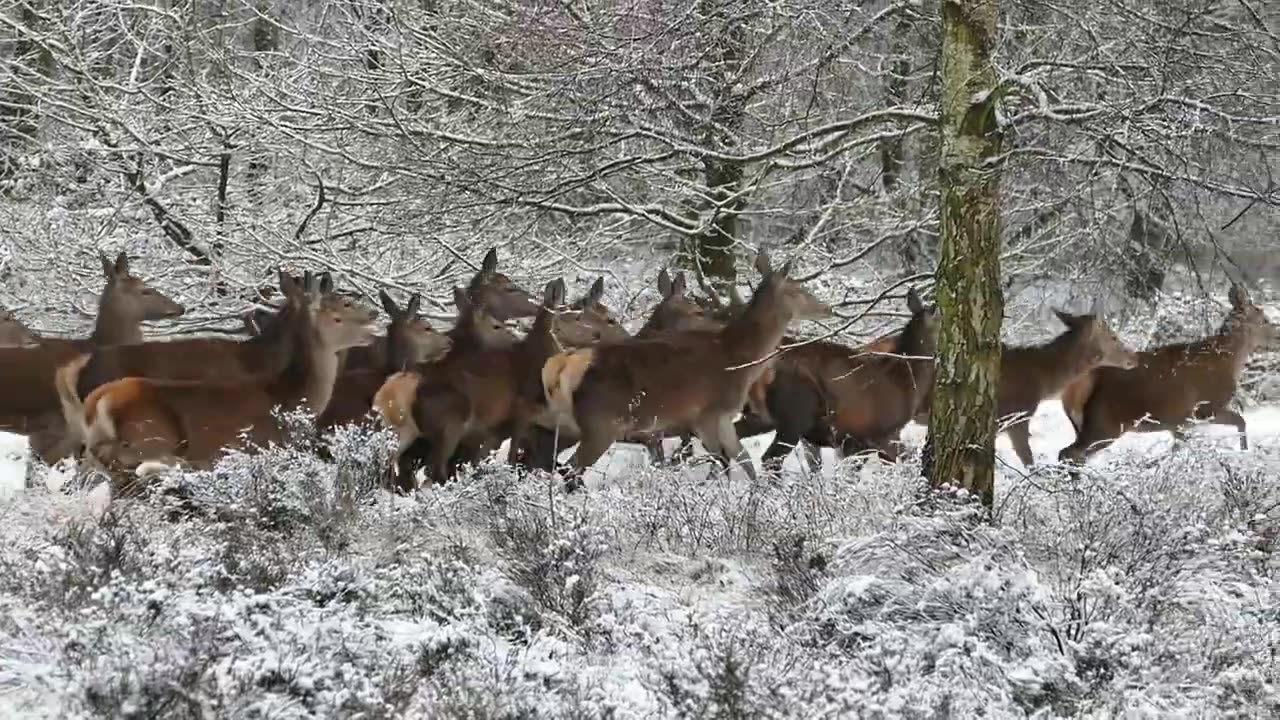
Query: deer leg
pixel 731 447
pixel 1020 436
pixel 596 439
pixel 1227 416
pixel 812 454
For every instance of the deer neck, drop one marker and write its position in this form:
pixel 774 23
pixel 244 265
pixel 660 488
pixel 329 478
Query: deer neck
pixel 314 371
pixel 754 334
pixel 113 326
pixel 1059 361
pixel 1234 343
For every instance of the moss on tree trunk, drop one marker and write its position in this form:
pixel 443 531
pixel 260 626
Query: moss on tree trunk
pixel 962 420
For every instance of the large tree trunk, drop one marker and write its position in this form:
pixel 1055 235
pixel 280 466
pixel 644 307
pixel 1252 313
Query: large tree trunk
pixel 962 426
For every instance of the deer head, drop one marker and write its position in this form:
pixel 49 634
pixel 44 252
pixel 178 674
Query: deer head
pixel 787 296
pixel 479 323
pixel 14 333
pixel 129 299
pixel 1248 319
pixel 1103 347
pixel 497 293
pixel 597 316
pixel 410 338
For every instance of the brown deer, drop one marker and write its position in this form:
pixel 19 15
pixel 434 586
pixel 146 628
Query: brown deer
pixel 134 420
pixel 827 394
pixel 410 340
pixel 29 404
pixel 14 333
pixel 1032 374
pixel 797 398
pixel 696 379
pixel 475 395
pixel 1170 385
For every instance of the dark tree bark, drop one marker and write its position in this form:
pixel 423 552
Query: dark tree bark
pixel 960 449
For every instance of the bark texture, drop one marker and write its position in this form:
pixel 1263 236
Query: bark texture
pixel 962 428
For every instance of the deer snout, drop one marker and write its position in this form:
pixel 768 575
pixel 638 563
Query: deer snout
pixel 176 312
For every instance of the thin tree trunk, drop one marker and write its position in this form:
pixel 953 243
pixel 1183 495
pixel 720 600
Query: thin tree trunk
pixel 962 428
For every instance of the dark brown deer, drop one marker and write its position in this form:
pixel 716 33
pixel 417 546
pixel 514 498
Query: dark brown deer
pixel 14 333
pixel 797 397
pixel 1032 374
pixel 475 395
pixel 824 394
pixel 696 379
pixel 1170 385
pixel 133 420
pixel 29 404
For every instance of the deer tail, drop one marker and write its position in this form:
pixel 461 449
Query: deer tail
pixel 561 376
pixel 65 379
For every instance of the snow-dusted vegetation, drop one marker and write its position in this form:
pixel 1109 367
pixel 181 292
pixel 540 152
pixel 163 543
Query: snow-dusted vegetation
pixel 280 585
pixel 1128 157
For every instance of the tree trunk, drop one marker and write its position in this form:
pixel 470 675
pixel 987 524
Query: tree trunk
pixel 962 427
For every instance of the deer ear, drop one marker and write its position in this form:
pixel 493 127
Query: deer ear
pixel 664 283
pixel 490 264
pixel 325 282
pixel 415 304
pixel 735 297
pixel 460 299
pixel 914 303
pixel 763 265
pixel 122 265
pixel 389 304
pixel 786 270
pixel 289 286
pixel 108 270
pixel 596 292
pixel 679 285
pixel 551 296
pixel 1238 296
pixel 1067 318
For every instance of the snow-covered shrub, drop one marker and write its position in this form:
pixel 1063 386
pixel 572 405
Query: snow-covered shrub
pixel 553 552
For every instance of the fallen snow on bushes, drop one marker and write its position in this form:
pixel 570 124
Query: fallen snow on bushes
pixel 280 585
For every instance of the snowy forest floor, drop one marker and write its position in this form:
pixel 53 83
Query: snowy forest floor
pixel 283 586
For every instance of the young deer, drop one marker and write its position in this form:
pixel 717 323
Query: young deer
pixel 827 394
pixel 1032 374
pixel 14 333
pixel 475 395
pixel 696 379
pixel 1170 385
pixel 137 419
pixel 29 404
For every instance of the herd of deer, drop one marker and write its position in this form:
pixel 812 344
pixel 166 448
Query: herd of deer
pixel 698 367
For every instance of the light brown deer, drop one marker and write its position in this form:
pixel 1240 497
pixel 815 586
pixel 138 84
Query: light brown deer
pixel 1170 385
pixel 14 333
pixel 696 379
pixel 476 395
pixel 1032 374
pixel 134 420
pixel 410 340
pixel 29 401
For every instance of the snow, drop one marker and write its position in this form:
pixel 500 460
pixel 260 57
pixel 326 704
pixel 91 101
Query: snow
pixel 1148 588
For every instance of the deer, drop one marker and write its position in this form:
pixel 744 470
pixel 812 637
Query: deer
pixel 474 395
pixel 798 398
pixel 696 379
pixel 133 420
pixel 1031 374
pixel 1169 386
pixel 824 394
pixel 29 404
pixel 14 333
pixel 410 340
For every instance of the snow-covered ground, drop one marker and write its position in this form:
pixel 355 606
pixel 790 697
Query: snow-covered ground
pixel 287 587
